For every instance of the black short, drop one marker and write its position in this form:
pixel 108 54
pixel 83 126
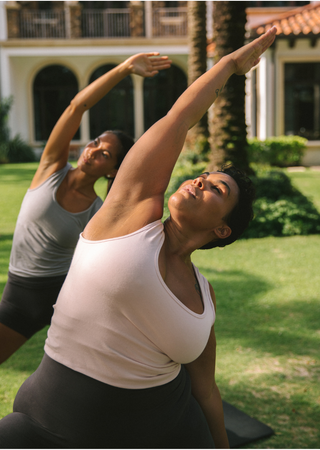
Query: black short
pixel 27 303
pixel 59 408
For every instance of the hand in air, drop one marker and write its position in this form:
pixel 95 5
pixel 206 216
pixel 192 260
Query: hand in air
pixel 249 56
pixel 148 64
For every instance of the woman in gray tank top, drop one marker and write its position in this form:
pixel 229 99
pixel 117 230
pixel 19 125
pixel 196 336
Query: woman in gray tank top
pixel 58 205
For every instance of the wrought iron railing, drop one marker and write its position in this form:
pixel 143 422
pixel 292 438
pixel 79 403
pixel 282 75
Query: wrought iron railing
pixel 170 22
pixel 45 24
pixel 106 23
pixel 99 23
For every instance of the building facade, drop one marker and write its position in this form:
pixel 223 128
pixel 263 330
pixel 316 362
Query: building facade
pixel 284 90
pixel 50 50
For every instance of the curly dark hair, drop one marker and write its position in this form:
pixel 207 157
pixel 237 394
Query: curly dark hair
pixel 241 215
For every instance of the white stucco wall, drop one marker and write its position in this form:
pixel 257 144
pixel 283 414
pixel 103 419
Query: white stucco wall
pixel 3 21
pixel 19 66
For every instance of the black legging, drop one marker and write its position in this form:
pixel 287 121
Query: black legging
pixel 27 303
pixel 57 407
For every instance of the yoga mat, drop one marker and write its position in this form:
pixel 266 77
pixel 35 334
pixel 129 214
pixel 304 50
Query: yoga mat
pixel 241 428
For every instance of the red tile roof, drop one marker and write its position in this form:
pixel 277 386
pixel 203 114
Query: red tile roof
pixel 298 22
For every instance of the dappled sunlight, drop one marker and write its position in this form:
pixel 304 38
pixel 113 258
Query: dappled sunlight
pixel 303 366
pixel 282 404
pixel 268 334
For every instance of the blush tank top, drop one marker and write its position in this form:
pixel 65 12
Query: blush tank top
pixel 116 320
pixel 46 235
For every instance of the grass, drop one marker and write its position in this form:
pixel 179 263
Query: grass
pixel 308 182
pixel 268 333
pixel 267 328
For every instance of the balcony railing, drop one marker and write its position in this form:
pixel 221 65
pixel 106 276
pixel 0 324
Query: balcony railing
pixel 44 24
pixel 106 23
pixel 170 22
pixel 93 23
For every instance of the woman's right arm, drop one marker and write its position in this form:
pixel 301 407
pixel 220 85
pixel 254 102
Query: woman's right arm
pixel 55 154
pixel 138 190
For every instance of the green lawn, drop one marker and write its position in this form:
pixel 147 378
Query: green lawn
pixel 308 182
pixel 268 321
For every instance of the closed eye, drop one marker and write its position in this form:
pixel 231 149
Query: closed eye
pixel 213 186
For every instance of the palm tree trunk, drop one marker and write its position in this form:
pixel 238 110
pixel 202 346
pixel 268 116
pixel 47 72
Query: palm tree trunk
pixel 197 59
pixel 228 128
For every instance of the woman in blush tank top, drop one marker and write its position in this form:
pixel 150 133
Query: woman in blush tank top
pixel 130 354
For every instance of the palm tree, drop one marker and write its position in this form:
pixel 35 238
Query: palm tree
pixel 228 128
pixel 197 62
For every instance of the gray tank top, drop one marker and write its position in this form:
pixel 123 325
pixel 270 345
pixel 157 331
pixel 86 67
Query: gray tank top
pixel 46 234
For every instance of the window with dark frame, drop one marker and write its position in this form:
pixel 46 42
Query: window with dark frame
pixel 161 92
pixel 53 89
pixel 302 99
pixel 115 110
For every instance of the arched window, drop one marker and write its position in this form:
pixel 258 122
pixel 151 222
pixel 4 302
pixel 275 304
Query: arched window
pixel 161 92
pixel 53 89
pixel 115 110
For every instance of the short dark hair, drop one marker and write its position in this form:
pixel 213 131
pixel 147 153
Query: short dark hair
pixel 242 214
pixel 126 142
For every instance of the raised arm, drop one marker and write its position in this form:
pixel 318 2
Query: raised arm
pixel 55 154
pixel 145 172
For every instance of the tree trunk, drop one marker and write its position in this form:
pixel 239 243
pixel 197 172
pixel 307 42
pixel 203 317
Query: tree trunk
pixel 197 59
pixel 228 128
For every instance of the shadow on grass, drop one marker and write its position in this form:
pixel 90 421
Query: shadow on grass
pixel 242 315
pixel 279 330
pixel 292 417
pixel 6 237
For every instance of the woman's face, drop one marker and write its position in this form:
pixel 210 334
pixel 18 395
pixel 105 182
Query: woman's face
pixel 99 158
pixel 206 201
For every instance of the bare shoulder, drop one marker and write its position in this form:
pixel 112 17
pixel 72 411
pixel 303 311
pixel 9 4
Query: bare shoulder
pixel 116 219
pixel 44 171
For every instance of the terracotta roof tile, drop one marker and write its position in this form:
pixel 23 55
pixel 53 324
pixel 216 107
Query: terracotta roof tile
pixel 298 22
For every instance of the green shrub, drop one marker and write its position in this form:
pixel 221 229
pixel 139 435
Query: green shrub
pixel 19 151
pixel 16 149
pixel 5 105
pixel 3 153
pixel 281 151
pixel 198 146
pixel 280 209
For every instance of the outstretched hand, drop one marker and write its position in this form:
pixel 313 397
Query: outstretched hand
pixel 249 56
pixel 148 64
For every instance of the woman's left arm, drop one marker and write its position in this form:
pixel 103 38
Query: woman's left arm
pixel 206 392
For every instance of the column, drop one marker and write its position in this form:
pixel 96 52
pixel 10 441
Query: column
pixel 265 101
pixel 138 106
pixel 13 27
